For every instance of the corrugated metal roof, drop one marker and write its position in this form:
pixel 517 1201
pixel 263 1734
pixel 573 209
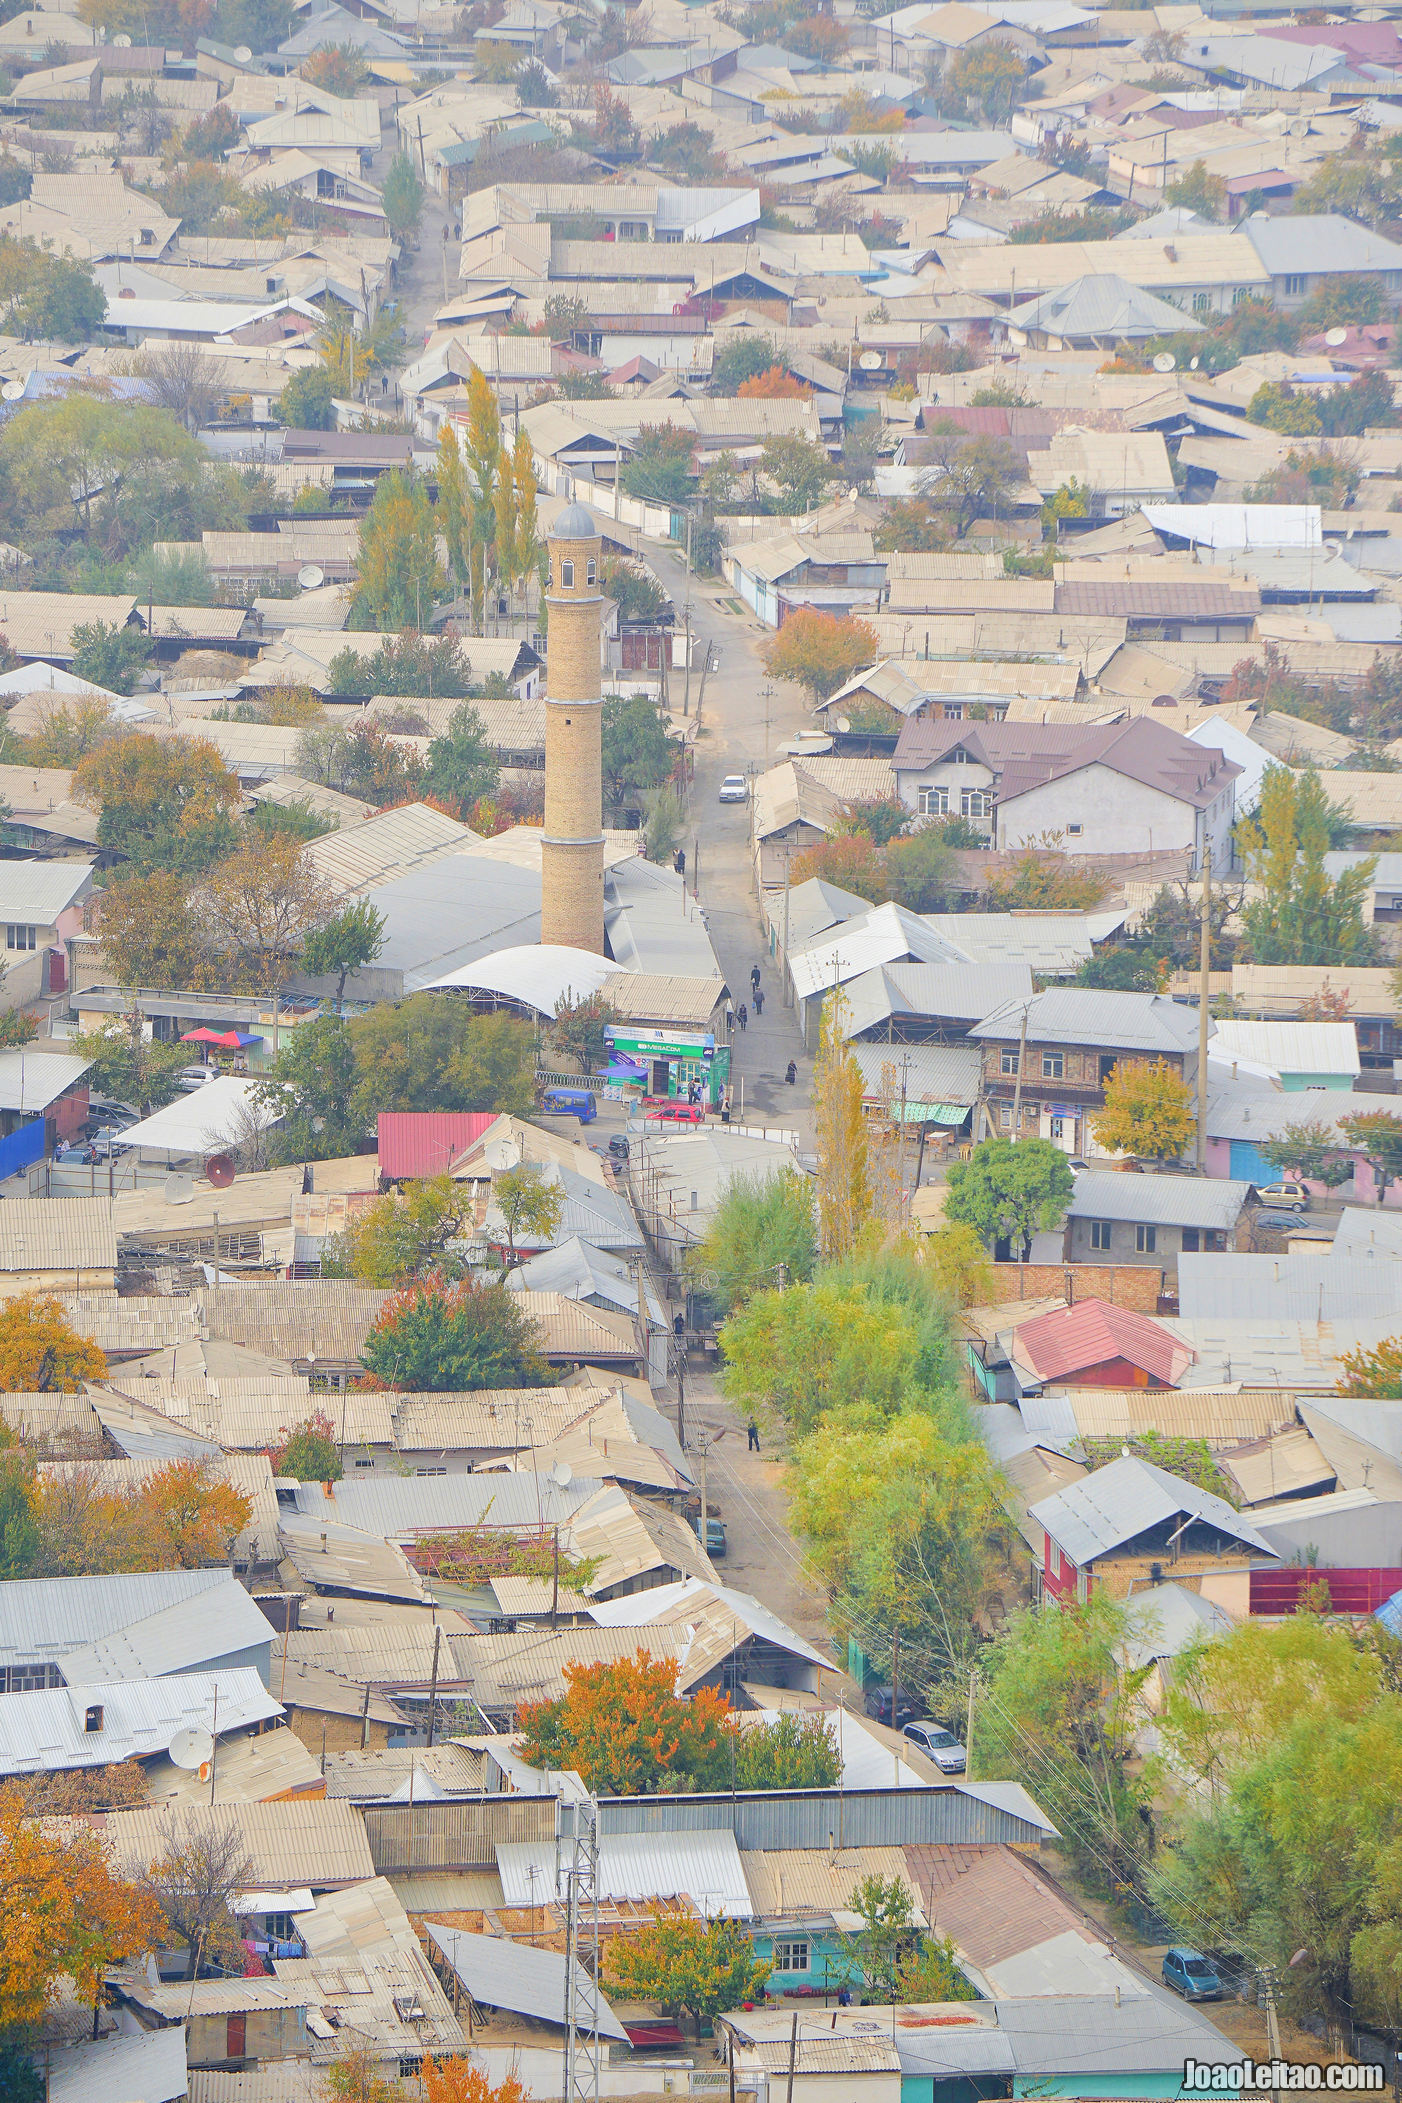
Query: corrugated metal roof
pixel 427 1142
pixel 40 891
pixel 58 1234
pixel 41 623
pixel 272 2081
pixel 221 1623
pixel 1115 1505
pixel 503 1974
pixel 1221 1416
pixel 46 1730
pixel 1071 1340
pixel 1290 1047
pixel 313 1841
pixel 386 847
pixel 1080 1015
pixel 447 1891
pixel 50 1615
pixel 328 1319
pixel 366 1963
pixel 1308 1285
pixel 784 1881
pixel 146 2068
pixel 32 1080
pixel 704 1867
pixel 259 1770
pixel 1176 1201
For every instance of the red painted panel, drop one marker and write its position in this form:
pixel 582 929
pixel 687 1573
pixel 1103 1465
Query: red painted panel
pixel 1361 1591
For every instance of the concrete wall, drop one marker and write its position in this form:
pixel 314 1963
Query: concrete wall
pixel 1125 1285
pixel 1117 816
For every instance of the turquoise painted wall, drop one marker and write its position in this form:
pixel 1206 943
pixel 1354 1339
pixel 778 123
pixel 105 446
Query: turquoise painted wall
pixel 1291 1083
pixel 827 1962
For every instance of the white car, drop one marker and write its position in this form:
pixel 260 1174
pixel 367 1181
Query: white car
pixel 734 789
pixel 193 1077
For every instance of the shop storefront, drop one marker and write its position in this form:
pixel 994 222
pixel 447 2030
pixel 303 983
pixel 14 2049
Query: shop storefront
pixel 678 1065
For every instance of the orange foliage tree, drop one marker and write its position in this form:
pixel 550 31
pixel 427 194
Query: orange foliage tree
pixel 62 1914
pixel 180 1517
pixel 458 2081
pixel 626 1730
pixel 1376 1374
pixel 775 385
pixel 40 1351
pixel 851 859
pixel 820 651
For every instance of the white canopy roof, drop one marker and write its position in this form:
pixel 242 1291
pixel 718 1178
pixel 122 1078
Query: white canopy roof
pixel 212 1118
pixel 539 973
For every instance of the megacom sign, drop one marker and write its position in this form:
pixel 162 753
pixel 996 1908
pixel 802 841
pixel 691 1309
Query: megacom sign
pixel 658 1044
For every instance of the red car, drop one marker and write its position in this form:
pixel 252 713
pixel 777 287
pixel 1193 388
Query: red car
pixel 676 1114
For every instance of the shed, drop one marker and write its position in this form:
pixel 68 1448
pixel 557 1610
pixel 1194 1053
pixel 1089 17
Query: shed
pixel 512 1975
pixel 57 1245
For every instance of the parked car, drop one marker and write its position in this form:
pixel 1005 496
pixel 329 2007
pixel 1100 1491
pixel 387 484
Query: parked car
pixel 108 1140
pixel 85 1154
pixel 104 1109
pixel 571 1102
pixel 192 1077
pixel 878 1705
pixel 1189 1973
pixel 1276 1222
pixel 675 1114
pixel 734 789
pixel 618 1147
pixel 941 1745
pixel 1286 1196
pixel 715 1535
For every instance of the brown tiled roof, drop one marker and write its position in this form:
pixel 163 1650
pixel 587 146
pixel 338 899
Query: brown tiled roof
pixel 993 1903
pixel 1181 599
pixel 1024 756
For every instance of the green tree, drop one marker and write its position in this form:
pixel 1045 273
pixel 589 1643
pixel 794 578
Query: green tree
pixel 1199 189
pixel 431 667
pixel 431 1052
pixel 403 197
pixel 792 1752
pixel 986 79
pixel 163 803
pixel 799 468
pixel 1171 930
pixel 529 1204
pixel 47 297
pixel 659 470
pixel 1008 1191
pixel 739 356
pixel 308 1452
pixel 887 1937
pixel 762 1235
pixel 1125 970
pixel 308 401
pixel 445 1336
pixel 1311 1150
pixel 579 1030
pixel 400 578
pixel 310 1087
pixel 1377 1135
pixel 691 1967
pixel 113 657
pixel 130 1067
pixel 403 1234
pixel 638 755
pixel 462 764
pixel 347 942
pixel 1304 916
pixel 1277 405
pixel 920 870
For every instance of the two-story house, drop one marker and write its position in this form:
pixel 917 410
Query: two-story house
pixel 1122 788
pixel 1046 1060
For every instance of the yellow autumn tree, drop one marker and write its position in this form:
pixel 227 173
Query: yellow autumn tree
pixel 400 575
pixel 844 1174
pixel 1148 1112
pixel 41 1351
pixel 63 1914
pixel 481 455
pixel 454 510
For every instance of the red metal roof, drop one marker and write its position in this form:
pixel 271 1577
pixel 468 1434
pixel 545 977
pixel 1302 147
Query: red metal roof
pixel 1072 1339
pixel 427 1142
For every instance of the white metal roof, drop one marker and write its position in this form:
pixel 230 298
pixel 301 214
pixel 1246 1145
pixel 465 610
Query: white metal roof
pixel 1239 525
pixel 503 1974
pixel 704 1867
pixel 1290 1047
pixel 45 1731
pixel 31 1080
pixel 1173 1201
pixel 539 974
pixel 215 1116
pixel 148 2067
pixel 40 891
pixel 1115 1504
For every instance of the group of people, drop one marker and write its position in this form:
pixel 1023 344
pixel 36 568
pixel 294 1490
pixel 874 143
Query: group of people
pixel 741 1015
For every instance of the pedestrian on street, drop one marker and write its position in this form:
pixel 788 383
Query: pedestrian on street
pixel 754 1436
pixel 754 978
pixel 744 1016
pixel 679 861
pixel 792 1075
pixel 759 1000
pixel 730 1022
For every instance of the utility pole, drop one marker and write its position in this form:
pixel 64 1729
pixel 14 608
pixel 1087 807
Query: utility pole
pixel 1017 1089
pixel 895 1679
pixel 793 2054
pixel 686 690
pixel 582 2050
pixel 1272 2022
pixel 1204 964
pixel 788 981
pixel 969 1726
pixel 433 1683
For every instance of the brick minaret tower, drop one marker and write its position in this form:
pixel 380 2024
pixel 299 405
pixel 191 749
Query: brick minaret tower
pixel 572 856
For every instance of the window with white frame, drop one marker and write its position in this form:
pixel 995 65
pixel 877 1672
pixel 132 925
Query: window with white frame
pixel 1005 1116
pixel 567 576
pixel 975 803
pixel 1202 302
pixel 591 572
pixel 791 1956
pixel 1294 286
pixel 932 802
pixel 1008 1062
pixel 1053 1065
pixel 21 938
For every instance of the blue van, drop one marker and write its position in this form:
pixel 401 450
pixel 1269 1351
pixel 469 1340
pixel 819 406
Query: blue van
pixel 571 1102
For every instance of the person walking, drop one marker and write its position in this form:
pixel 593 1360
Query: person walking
pixel 730 1022
pixel 792 1075
pixel 754 978
pixel 744 1016
pixel 753 1436
pixel 759 1000
pixel 679 861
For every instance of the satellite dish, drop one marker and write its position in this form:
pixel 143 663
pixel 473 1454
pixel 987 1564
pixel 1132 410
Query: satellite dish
pixel 1193 364
pixel 309 576
pixel 219 1170
pixel 12 391
pixel 1334 337
pixel 1165 362
pixel 179 1190
pixel 243 53
pixel 870 361
pixel 121 43
pixel 562 1474
pixel 191 1749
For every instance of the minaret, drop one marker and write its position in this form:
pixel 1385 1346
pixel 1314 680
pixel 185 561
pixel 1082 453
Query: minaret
pixel 572 855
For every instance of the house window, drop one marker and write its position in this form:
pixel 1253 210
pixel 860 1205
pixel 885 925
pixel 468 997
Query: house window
pixel 932 803
pixel 430 1471
pixel 567 576
pixel 365 1463
pixel 28 1679
pixel 975 803
pixel 1100 1234
pixel 21 937
pixel 1073 830
pixel 1213 1238
pixel 1190 1241
pixel 1294 287
pixel 1058 1129
pixel 282 1927
pixel 1053 1065
pixel 791 1956
pixel 1146 1239
pixel 1202 302
pixel 1007 1062
pixel 1005 1116
pixel 1243 292
pixel 1108 1063
pixel 591 572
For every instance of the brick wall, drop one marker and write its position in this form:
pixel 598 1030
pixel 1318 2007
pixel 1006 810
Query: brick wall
pixel 1136 1285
